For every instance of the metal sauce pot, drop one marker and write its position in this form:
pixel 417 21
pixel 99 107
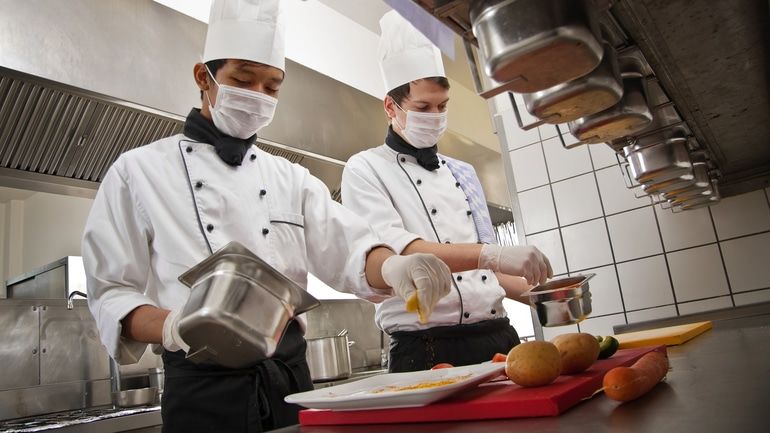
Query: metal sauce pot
pixel 329 357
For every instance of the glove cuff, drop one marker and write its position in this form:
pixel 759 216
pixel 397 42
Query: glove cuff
pixel 489 257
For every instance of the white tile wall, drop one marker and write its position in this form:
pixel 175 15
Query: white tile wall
pixel 550 333
pixel 634 234
pixel 741 215
pixel 529 167
pixel 705 305
pixel 615 196
pixel 516 136
pixel 549 243
pixel 602 155
pixel 697 273
pixel 752 297
pixel 685 229
pixel 602 325
pixel 537 210
pixel 605 293
pixel 645 283
pixel 651 314
pixel 548 131
pixel 748 262
pixel 577 199
pixel 587 245
pixel 564 163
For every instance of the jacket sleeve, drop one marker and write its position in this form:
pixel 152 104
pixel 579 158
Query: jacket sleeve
pixel 116 257
pixel 365 195
pixel 338 242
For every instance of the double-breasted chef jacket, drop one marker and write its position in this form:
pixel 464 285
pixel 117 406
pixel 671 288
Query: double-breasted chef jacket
pixel 166 206
pixel 403 202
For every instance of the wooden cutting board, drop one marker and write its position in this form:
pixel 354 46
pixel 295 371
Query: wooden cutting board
pixel 670 336
pixel 494 400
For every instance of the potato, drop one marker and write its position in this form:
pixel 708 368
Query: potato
pixel 578 351
pixel 534 363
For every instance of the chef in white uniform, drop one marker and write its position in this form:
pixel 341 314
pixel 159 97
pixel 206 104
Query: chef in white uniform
pixel 421 201
pixel 166 206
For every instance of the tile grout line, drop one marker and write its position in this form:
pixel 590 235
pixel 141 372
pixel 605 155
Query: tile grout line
pixel 721 256
pixel 665 258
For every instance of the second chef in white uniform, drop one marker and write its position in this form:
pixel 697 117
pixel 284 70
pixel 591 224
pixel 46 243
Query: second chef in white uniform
pixel 421 201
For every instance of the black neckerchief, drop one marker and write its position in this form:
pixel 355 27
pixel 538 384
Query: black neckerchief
pixel 230 149
pixel 425 157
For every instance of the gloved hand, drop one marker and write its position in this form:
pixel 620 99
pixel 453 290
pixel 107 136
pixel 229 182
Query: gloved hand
pixel 419 279
pixel 523 261
pixel 172 341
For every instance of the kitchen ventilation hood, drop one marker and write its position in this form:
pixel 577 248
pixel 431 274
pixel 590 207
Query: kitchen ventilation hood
pixel 710 59
pixel 68 70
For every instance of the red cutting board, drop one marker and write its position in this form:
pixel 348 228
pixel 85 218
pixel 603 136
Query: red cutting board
pixel 494 400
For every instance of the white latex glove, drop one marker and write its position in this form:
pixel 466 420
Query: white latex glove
pixel 419 279
pixel 172 341
pixel 523 261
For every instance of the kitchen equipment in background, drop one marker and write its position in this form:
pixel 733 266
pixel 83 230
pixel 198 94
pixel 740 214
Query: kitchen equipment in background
pixel 670 336
pixel 589 94
pixel 55 280
pixel 561 301
pixel 329 357
pixel 531 45
pixel 505 233
pixel 660 162
pixel 238 308
pixel 630 115
pixel 157 377
pixel 135 397
pixel 700 184
pixel 497 400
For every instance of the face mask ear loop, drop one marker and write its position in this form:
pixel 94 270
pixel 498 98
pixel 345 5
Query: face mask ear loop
pixel 396 118
pixel 206 92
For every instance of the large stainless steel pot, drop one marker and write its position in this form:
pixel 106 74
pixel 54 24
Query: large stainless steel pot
pixel 627 117
pixel 329 358
pixel 589 94
pixel 239 307
pixel 536 44
pixel 660 162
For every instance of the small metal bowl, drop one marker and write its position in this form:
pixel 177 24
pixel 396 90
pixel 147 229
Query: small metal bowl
pixel 135 397
pixel 563 301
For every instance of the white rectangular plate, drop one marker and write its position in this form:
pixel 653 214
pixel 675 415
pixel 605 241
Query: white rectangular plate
pixel 380 392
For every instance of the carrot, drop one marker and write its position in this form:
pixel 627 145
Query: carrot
pixel 627 383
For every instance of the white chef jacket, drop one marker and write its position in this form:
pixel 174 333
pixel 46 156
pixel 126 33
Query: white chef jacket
pixel 403 202
pixel 166 206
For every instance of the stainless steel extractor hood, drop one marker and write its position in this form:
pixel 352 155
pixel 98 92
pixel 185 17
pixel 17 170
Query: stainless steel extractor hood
pixel 711 61
pixel 84 80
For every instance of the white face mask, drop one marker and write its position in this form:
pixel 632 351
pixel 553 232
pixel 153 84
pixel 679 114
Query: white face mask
pixel 423 130
pixel 239 112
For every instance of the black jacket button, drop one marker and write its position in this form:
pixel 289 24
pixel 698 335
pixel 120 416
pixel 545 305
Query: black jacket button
pixel 253 157
pixel 419 182
pixel 199 184
pixel 265 231
pixel 210 228
pixel 262 192
pixel 483 278
pixel 459 278
pixel 467 315
pixel 189 149
pixel 403 159
pixel 447 242
pixel 457 184
pixel 443 162
pixel 493 311
pixel 433 211
pixel 469 213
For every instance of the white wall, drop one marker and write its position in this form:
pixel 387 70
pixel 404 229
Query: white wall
pixel 650 263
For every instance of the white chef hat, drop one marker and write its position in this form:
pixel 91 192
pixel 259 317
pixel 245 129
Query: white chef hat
pixel 251 30
pixel 406 54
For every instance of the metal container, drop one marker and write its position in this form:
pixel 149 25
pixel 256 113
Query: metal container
pixel 562 301
pixel 156 379
pixel 699 185
pixel 329 358
pixel 660 162
pixel 238 308
pixel 589 94
pixel 536 44
pixel 135 397
pixel 627 117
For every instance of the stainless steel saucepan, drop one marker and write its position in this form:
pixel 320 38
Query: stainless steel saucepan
pixel 329 357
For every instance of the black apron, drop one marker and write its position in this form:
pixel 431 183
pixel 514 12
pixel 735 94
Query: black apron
pixel 457 345
pixel 212 398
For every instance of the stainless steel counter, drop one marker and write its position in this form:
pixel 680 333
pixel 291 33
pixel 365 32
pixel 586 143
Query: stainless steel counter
pixel 97 420
pixel 719 383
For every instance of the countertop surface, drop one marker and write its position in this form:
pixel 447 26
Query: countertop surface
pixel 719 382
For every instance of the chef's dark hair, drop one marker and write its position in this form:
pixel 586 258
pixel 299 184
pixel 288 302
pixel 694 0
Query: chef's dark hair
pixel 401 92
pixel 214 66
